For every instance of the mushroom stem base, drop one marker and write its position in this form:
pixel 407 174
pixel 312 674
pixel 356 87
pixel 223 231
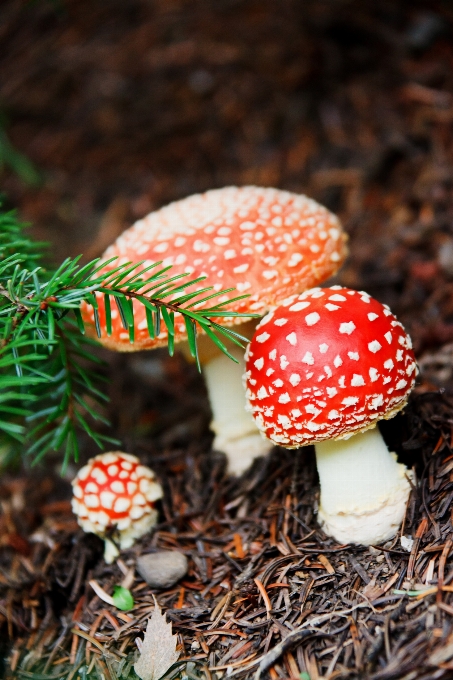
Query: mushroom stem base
pixel 364 490
pixel 235 429
pixel 111 552
pixel 242 452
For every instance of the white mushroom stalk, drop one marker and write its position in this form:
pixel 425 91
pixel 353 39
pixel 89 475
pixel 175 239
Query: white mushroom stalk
pixel 235 430
pixel 364 490
pixel 322 369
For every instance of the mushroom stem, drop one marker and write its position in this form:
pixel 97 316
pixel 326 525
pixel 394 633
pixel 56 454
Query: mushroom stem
pixel 111 552
pixel 235 429
pixel 364 491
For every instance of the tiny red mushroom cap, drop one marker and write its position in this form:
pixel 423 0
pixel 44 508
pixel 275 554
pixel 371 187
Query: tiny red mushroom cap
pixel 327 364
pixel 115 491
pixel 264 242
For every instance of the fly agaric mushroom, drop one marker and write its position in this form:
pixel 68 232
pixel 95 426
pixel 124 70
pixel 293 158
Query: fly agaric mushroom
pixel 264 242
pixel 115 492
pixel 322 369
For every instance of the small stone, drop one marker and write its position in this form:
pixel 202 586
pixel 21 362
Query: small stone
pixel 373 550
pixel 406 543
pixel 162 569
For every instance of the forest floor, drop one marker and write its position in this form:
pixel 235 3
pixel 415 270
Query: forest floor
pixel 123 107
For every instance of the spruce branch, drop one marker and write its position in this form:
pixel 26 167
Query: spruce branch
pixel 49 375
pixel 71 400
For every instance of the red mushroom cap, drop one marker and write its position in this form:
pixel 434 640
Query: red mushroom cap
pixel 264 242
pixel 114 490
pixel 327 364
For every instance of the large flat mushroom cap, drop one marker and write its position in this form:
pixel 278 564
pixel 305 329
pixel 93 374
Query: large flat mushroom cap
pixel 264 242
pixel 327 364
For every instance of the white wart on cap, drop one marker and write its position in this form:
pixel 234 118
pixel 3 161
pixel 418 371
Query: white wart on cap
pixel 324 366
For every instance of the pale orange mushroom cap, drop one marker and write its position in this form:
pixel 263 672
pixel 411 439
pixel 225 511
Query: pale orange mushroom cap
pixel 264 242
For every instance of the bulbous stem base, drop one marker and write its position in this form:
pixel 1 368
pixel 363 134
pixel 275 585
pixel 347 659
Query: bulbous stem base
pixel 364 490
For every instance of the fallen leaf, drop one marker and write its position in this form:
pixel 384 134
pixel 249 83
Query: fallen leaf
pixel 158 649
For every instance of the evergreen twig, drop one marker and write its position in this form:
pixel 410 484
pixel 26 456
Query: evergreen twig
pixel 49 375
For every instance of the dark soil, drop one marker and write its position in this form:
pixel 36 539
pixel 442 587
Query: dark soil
pixel 125 106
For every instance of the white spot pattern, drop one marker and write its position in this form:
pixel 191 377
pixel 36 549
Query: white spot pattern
pixel 299 306
pixel 110 506
pixel 338 403
pixel 374 346
pixel 312 318
pixel 347 327
pixel 357 380
pixel 373 373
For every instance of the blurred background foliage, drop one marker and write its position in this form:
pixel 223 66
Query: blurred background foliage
pixel 123 107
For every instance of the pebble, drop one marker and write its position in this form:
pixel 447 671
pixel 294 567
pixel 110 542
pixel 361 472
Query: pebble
pixel 406 543
pixel 162 569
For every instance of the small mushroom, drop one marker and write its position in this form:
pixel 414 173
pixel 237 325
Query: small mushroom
pixel 264 242
pixel 322 369
pixel 115 493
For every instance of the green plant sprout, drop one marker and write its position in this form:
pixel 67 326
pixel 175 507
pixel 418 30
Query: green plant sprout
pixel 50 378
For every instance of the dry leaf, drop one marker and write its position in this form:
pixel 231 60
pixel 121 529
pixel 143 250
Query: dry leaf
pixel 158 649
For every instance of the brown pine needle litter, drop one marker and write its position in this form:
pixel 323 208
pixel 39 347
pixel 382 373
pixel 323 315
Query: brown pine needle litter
pixel 321 608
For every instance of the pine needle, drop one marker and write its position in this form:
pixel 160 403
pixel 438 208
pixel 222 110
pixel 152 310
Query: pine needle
pixel 50 377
